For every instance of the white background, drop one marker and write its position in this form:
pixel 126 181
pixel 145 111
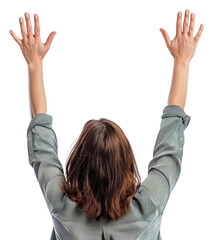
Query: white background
pixel 108 59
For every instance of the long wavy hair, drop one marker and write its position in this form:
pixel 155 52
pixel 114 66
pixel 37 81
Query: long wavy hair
pixel 101 171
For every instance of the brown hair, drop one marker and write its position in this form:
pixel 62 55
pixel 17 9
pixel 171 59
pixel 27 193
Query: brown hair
pixel 101 171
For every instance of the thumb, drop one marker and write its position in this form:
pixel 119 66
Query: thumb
pixel 50 39
pixel 166 36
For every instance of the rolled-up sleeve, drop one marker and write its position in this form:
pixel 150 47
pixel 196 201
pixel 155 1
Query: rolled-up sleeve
pixel 165 167
pixel 43 157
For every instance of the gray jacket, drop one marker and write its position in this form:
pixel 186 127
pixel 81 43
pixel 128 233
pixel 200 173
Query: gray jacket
pixel 147 206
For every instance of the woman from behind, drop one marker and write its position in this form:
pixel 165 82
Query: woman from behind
pixel 101 195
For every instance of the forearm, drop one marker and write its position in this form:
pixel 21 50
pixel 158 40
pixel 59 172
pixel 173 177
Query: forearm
pixel 178 89
pixel 37 95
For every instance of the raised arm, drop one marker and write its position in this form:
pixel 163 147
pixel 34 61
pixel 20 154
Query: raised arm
pixel 165 167
pixel 182 49
pixel 34 51
pixel 42 141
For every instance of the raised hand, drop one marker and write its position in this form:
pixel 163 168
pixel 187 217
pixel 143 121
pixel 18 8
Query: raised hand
pixel 184 44
pixel 31 45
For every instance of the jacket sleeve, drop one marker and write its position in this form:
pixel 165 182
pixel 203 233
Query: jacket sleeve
pixel 165 167
pixel 43 157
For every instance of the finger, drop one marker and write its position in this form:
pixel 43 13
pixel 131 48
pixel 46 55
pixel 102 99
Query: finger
pixel 36 26
pixel 197 37
pixel 166 36
pixel 49 39
pixel 23 31
pixel 28 24
pixel 186 22
pixel 192 24
pixel 18 40
pixel 179 24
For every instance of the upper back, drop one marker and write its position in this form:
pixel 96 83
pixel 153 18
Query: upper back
pixel 70 222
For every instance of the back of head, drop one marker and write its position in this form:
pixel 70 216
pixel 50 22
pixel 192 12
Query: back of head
pixel 101 171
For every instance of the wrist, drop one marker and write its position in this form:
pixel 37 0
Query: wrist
pixel 34 64
pixel 182 61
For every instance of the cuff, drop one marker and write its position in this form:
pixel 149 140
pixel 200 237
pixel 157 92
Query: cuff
pixel 176 111
pixel 42 119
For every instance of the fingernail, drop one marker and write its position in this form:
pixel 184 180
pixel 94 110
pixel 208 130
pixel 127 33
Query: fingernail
pixel 179 13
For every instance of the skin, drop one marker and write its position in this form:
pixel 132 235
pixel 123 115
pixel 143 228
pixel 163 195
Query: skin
pixel 34 51
pixel 182 48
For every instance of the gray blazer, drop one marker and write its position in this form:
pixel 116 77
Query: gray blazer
pixel 147 206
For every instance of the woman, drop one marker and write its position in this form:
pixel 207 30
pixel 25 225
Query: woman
pixel 102 196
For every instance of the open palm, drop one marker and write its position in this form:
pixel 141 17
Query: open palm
pixel 184 44
pixel 31 45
